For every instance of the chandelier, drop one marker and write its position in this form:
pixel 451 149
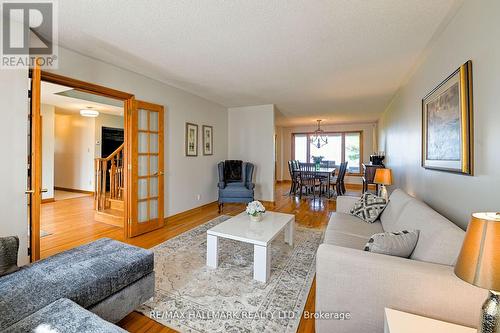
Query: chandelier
pixel 319 138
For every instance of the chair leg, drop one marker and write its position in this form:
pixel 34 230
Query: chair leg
pixel 221 207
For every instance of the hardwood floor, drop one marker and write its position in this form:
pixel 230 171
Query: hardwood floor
pixel 71 223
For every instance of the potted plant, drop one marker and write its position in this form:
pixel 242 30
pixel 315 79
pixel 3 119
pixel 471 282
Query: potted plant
pixel 317 161
pixel 255 209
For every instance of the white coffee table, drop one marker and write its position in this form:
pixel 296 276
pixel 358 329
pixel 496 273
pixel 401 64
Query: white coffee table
pixel 260 234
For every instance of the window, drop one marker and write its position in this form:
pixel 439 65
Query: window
pixel 300 144
pixel 352 151
pixel 341 146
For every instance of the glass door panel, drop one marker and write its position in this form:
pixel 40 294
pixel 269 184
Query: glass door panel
pixel 147 174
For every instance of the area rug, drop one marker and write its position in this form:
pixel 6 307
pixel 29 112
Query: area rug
pixel 190 297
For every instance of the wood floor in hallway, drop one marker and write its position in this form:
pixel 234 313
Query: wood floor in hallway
pixel 71 223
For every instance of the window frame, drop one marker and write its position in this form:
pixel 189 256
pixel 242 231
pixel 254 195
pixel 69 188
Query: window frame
pixel 342 134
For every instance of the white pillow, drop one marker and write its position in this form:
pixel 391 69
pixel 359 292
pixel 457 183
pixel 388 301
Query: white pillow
pixel 368 207
pixel 399 244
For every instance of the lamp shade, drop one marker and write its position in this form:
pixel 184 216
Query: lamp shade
pixel 479 259
pixel 383 176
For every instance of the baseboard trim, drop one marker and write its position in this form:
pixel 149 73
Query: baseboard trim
pixel 48 200
pixel 72 190
pixel 186 213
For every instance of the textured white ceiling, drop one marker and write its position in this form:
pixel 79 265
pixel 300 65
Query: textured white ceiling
pixel 339 60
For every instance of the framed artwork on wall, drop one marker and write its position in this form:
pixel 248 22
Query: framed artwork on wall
pixel 191 139
pixel 208 140
pixel 447 124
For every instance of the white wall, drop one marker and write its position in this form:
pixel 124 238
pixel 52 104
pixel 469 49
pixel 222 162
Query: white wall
pixel 48 119
pixel 13 171
pixel 369 144
pixel 74 152
pixel 471 34
pixel 251 139
pixel 105 120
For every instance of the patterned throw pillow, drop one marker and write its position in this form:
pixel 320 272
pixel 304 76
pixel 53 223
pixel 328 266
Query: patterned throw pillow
pixel 369 207
pixel 9 246
pixel 399 244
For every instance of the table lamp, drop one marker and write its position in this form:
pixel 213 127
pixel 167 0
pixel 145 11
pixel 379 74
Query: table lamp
pixel 479 265
pixel 383 177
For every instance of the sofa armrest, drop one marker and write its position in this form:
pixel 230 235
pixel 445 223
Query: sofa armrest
pixel 250 186
pixel 363 283
pixel 221 185
pixel 345 203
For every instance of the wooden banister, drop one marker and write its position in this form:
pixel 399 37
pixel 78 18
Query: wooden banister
pixel 112 167
pixel 115 153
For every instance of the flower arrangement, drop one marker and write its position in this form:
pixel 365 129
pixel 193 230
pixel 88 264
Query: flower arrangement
pixel 317 159
pixel 255 209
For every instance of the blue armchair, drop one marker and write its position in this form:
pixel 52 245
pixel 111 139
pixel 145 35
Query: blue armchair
pixel 239 189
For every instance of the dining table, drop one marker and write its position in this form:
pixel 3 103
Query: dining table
pixel 322 172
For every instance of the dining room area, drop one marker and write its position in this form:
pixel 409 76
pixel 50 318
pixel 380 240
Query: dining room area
pixel 320 179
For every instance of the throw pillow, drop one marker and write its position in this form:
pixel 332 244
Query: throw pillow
pixel 369 207
pixel 9 246
pixel 399 244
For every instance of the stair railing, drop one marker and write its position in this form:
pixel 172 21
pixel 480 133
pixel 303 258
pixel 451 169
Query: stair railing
pixel 112 167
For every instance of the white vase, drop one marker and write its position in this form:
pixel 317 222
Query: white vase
pixel 256 218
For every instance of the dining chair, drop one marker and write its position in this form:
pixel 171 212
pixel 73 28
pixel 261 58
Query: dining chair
pixel 294 176
pixel 337 182
pixel 327 164
pixel 307 182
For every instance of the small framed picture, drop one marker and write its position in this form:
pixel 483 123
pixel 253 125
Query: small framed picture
pixel 447 128
pixel 191 139
pixel 208 140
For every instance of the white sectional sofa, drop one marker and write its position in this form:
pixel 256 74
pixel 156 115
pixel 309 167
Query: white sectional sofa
pixel 349 279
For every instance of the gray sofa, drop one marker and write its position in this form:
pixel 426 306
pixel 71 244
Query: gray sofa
pixel 108 278
pixel 362 283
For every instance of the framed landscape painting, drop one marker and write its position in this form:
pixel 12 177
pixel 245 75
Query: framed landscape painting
pixel 447 128
pixel 208 140
pixel 191 139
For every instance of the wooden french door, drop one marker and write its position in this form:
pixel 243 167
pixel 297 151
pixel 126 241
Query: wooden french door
pixel 146 195
pixel 34 190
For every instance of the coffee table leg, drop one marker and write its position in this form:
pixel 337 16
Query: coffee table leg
pixel 261 263
pixel 289 232
pixel 212 251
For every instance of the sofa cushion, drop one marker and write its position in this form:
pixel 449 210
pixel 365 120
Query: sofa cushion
pixel 235 190
pixel 391 213
pixel 368 207
pixel 333 237
pixel 439 239
pixel 398 244
pixel 66 316
pixel 352 225
pixel 86 275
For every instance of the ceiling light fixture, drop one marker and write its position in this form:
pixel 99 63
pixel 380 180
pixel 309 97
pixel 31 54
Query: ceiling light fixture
pixel 319 138
pixel 88 112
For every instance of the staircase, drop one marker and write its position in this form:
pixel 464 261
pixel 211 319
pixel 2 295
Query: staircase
pixel 108 202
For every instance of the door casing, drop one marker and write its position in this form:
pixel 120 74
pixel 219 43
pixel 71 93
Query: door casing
pixel 37 76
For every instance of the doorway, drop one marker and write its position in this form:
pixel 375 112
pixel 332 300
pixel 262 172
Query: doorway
pixel 80 131
pixel 117 182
